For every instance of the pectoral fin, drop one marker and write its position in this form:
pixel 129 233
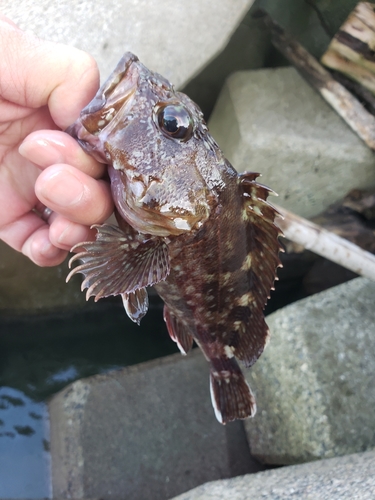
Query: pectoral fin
pixel 119 263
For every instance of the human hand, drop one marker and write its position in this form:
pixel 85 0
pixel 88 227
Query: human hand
pixel 43 87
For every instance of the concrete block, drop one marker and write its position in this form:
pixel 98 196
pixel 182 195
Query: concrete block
pixel 271 121
pixel 173 38
pixel 345 478
pixel 315 382
pixel 144 432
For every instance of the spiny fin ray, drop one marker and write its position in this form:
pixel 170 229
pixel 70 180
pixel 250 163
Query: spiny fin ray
pixel 178 332
pixel 250 335
pixel 120 262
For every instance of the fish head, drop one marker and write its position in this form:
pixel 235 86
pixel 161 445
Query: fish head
pixel 162 162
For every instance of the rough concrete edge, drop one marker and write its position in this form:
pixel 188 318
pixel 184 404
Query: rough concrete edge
pixel 72 399
pixel 311 443
pixel 323 431
pixel 148 365
pixel 65 434
pixel 226 488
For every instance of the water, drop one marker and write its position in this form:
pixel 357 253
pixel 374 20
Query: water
pixel 39 355
pixel 24 446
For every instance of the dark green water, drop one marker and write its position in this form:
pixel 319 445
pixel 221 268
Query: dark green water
pixel 39 355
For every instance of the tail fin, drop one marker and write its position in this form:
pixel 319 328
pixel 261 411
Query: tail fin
pixel 231 395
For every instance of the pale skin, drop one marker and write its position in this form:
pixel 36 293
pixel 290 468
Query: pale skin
pixel 43 87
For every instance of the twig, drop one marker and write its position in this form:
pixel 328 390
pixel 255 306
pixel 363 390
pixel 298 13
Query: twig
pixel 327 244
pixel 343 102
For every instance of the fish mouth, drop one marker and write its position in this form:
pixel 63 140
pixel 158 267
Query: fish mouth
pixel 149 216
pixel 108 108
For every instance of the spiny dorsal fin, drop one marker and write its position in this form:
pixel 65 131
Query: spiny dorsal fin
pixel 260 264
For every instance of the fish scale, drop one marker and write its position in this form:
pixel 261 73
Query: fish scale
pixel 188 224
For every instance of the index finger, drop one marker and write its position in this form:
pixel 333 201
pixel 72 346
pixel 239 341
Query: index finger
pixel 48 147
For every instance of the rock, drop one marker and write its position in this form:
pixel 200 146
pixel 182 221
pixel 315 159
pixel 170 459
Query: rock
pixel 315 382
pixel 344 478
pixel 271 121
pixel 27 288
pixel 171 37
pixel 146 428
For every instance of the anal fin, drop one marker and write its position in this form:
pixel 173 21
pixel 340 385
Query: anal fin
pixel 178 332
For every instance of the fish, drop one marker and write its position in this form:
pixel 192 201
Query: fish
pixel 188 224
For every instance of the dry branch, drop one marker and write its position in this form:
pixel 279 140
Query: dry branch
pixel 327 244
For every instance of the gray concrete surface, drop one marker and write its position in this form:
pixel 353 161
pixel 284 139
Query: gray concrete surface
pixel 173 38
pixel 345 478
pixel 146 431
pixel 271 121
pixel 314 383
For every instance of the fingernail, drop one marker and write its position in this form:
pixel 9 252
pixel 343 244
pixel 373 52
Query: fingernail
pixel 61 188
pixel 43 152
pixel 72 234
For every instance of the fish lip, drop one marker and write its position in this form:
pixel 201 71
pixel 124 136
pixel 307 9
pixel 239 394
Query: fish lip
pixel 111 111
pixel 103 113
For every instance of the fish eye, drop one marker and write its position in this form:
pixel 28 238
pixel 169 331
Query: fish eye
pixel 175 121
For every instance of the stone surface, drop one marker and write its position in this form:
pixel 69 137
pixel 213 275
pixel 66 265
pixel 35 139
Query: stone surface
pixel 315 382
pixel 26 288
pixel 271 121
pixel 345 478
pixel 170 37
pixel 146 428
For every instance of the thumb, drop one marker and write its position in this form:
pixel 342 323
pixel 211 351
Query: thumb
pixel 35 73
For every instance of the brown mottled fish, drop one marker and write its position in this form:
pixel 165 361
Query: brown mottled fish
pixel 188 223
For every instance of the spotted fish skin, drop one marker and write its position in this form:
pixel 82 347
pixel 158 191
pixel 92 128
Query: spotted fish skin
pixel 189 224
